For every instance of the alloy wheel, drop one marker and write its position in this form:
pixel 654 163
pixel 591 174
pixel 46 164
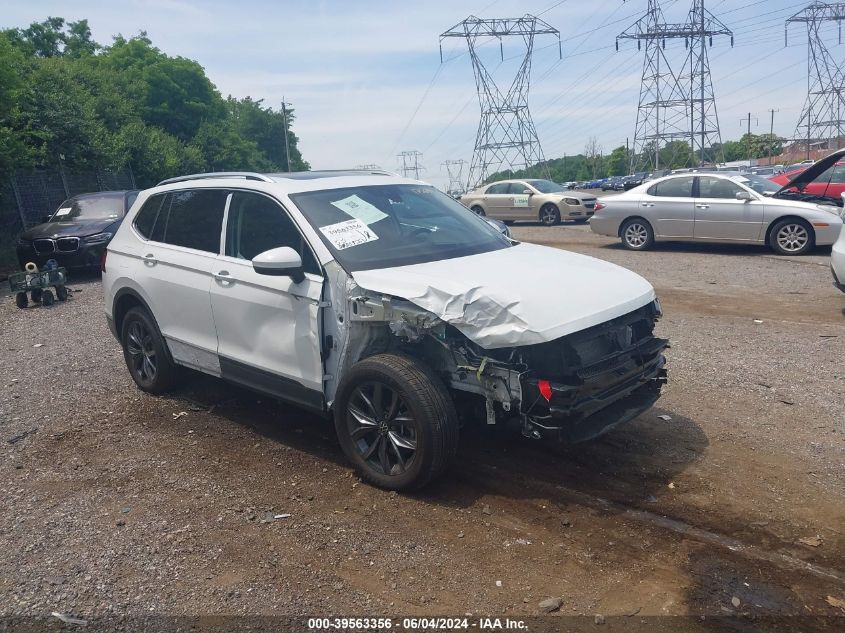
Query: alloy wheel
pixel 636 235
pixel 381 427
pixel 142 356
pixel 548 215
pixel 792 238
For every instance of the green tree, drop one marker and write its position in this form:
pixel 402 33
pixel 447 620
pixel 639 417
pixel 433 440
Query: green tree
pixel 617 162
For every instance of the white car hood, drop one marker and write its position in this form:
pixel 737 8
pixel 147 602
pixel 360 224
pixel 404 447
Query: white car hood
pixel 522 295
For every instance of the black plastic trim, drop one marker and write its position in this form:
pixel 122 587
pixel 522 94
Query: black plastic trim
pixel 271 384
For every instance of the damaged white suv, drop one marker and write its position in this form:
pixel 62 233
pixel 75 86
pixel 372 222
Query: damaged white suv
pixel 383 302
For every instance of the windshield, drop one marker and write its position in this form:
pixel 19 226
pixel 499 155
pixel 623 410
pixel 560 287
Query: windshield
pixel 545 186
pixel 101 207
pixel 382 226
pixel 759 184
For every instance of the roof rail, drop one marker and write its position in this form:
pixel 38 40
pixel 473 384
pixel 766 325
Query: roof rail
pixel 247 175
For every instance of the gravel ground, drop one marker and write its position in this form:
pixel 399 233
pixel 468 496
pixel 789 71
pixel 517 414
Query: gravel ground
pixel 115 502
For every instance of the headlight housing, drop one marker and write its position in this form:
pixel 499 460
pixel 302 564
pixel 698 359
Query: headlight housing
pixel 573 202
pixel 99 238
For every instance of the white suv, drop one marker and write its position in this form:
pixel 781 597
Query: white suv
pixel 382 302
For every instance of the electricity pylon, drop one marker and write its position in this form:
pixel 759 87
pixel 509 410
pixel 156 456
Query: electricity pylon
pixel 506 138
pixel 455 171
pixel 823 113
pixel 410 164
pixel 675 105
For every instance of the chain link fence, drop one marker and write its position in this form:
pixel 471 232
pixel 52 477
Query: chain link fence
pixel 27 196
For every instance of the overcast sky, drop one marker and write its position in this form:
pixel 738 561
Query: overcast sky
pixel 366 80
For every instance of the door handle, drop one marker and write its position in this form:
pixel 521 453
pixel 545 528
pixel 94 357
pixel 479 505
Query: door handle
pixel 647 204
pixel 150 259
pixel 702 206
pixel 222 275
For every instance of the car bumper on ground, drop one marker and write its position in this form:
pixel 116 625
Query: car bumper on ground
pixel 84 256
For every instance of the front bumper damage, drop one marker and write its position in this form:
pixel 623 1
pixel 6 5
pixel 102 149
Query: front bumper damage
pixel 570 389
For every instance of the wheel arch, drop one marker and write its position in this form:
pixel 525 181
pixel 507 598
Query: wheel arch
pixel 628 219
pixel 768 236
pixel 124 300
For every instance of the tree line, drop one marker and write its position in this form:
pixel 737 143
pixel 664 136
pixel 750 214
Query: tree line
pixel 65 98
pixel 594 163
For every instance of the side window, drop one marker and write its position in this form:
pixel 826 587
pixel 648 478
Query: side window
pixel 673 188
pixel 194 219
pixel 709 187
pixel 838 176
pixel 146 217
pixel 256 224
pixel 501 187
pixel 517 188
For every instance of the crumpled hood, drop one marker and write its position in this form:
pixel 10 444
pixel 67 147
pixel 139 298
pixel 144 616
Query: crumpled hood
pixel 522 295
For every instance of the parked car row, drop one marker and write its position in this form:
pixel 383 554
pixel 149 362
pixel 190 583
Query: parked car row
pixel 726 207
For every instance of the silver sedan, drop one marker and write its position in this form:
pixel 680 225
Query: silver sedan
pixel 716 207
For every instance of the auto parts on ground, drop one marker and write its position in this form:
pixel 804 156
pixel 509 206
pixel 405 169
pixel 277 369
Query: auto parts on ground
pixel 39 284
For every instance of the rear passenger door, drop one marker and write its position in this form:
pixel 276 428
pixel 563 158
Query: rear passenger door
pixel 498 201
pixel 182 243
pixel 267 327
pixel 668 206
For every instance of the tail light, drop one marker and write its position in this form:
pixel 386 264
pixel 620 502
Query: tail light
pixel 103 260
pixel 545 388
pixel 599 206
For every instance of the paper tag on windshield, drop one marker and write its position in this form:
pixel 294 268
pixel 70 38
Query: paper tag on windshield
pixel 360 209
pixel 520 201
pixel 349 233
pixel 63 211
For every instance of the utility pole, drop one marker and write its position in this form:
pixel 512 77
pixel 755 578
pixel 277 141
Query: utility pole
pixel 673 105
pixel 455 171
pixel 772 134
pixel 756 122
pixel 823 114
pixel 287 147
pixel 506 137
pixel 410 164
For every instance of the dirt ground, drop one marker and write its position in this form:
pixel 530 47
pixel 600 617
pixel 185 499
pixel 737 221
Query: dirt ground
pixel 727 499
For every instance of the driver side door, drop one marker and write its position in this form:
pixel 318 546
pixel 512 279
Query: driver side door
pixel 521 202
pixel 268 334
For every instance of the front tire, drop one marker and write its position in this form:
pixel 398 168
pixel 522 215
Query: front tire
pixel 396 422
pixel 478 211
pixel 637 235
pixel 145 353
pixel 791 237
pixel 549 215
pixel 21 300
pixel 47 298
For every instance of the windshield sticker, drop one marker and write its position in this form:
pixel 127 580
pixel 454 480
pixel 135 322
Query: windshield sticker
pixel 360 209
pixel 63 211
pixel 520 201
pixel 349 233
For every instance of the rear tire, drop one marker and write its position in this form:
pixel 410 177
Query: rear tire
pixel 396 422
pixel 637 234
pixel 145 353
pixel 21 300
pixel 47 298
pixel 61 293
pixel 35 294
pixel 791 237
pixel 549 215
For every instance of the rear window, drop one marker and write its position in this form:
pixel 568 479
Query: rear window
pixel 192 219
pixel 673 188
pixel 146 217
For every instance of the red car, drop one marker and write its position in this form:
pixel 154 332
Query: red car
pixel 806 180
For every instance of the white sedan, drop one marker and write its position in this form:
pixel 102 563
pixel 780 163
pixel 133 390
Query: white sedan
pixel 719 207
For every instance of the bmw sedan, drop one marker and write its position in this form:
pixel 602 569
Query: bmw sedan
pixel 717 207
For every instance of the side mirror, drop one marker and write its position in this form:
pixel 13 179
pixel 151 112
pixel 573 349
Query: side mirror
pixel 279 262
pixel 744 195
pixel 527 192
